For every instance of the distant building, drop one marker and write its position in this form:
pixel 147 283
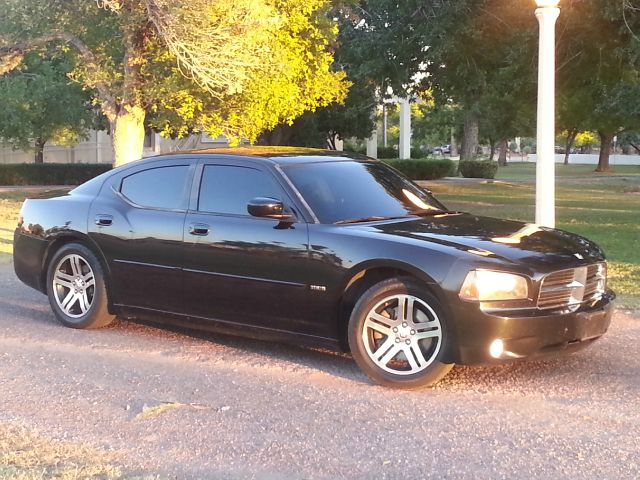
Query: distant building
pixel 97 148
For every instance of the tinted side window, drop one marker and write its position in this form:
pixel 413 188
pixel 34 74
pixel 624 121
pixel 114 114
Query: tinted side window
pixel 164 187
pixel 228 189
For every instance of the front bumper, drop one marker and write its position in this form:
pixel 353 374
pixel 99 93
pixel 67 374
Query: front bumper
pixel 528 336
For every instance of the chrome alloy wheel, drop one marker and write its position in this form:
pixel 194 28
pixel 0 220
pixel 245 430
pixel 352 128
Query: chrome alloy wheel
pixel 74 285
pixel 402 335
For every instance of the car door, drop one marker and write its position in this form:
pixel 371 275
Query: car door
pixel 240 268
pixel 138 222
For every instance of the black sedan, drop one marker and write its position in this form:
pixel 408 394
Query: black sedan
pixel 315 248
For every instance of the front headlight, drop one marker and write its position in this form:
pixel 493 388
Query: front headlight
pixel 489 286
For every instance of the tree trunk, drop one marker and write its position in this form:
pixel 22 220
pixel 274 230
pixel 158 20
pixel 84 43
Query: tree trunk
pixel 278 136
pixel 492 154
pixel 571 138
pixel 454 143
pixel 39 150
pixel 504 149
pixel 606 139
pixel 127 134
pixel 470 139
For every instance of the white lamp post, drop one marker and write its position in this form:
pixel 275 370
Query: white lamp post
pixel 547 14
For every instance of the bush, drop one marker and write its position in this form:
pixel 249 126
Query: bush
pixel 478 168
pixel 387 152
pixel 356 149
pixel 49 173
pixel 431 169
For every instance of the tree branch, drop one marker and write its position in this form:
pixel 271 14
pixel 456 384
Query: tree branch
pixel 11 56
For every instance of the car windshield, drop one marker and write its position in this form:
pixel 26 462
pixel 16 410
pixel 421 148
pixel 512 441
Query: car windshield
pixel 350 192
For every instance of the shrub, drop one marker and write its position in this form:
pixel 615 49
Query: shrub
pixel 430 169
pixel 362 150
pixel 49 173
pixel 387 152
pixel 478 168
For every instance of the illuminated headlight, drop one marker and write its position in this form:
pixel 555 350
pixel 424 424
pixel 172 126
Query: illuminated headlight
pixel 489 286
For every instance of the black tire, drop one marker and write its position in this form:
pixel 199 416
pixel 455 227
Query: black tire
pixel 87 307
pixel 406 337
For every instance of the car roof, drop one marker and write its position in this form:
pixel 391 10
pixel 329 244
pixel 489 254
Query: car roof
pixel 277 155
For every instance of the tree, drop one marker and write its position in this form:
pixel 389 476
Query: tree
pixel 234 68
pixel 599 71
pixel 40 104
pixel 460 51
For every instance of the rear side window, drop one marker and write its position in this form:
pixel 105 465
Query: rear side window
pixel 163 187
pixel 228 189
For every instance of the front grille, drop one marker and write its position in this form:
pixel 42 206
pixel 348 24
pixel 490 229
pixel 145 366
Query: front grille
pixel 573 287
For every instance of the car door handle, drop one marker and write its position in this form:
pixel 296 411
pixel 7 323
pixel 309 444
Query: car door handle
pixel 104 220
pixel 199 229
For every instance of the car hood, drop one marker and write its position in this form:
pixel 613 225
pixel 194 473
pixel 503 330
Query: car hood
pixel 492 237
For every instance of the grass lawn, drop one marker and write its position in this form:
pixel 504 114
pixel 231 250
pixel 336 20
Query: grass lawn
pixel 605 209
pixel 518 171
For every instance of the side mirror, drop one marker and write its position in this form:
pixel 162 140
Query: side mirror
pixel 263 207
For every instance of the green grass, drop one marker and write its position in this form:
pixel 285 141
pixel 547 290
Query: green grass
pixel 606 211
pixel 518 171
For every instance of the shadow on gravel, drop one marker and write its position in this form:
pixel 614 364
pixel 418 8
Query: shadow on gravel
pixel 24 310
pixel 600 363
pixel 333 363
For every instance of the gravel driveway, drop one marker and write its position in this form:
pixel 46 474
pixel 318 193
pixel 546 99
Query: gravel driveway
pixel 233 408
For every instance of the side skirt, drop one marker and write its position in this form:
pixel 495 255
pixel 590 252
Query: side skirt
pixel 148 315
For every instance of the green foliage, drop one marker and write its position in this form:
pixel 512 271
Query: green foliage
pixel 40 104
pixel 298 79
pixel 478 168
pixel 233 68
pixel 387 152
pixel 49 173
pixel 430 169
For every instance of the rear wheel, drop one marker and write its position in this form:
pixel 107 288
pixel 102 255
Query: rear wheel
pixel 397 332
pixel 76 288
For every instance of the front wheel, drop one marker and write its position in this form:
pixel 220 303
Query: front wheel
pixel 396 334
pixel 76 288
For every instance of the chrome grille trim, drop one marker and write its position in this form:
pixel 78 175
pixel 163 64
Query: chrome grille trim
pixel 572 287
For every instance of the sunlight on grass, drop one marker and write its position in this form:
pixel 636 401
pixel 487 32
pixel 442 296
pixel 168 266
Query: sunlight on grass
pixel 27 456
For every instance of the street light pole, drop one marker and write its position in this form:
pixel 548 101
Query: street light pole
pixel 547 14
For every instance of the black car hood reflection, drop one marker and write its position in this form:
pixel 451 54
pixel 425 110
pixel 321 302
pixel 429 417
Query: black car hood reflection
pixel 493 237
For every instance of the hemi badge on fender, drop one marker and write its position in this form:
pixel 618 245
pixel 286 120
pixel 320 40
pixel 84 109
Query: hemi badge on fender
pixel 318 288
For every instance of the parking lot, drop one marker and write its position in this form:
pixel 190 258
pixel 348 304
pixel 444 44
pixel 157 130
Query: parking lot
pixel 184 405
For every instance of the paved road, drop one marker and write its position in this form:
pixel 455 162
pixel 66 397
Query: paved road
pixel 264 411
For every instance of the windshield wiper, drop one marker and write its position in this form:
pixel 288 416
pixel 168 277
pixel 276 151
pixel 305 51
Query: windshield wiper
pixel 367 219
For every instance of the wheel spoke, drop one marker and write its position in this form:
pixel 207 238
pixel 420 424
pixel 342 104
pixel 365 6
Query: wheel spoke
pixel 75 266
pixel 83 302
pixel 415 356
pixel 427 330
pixel 89 280
pixel 390 355
pixel 385 321
pixel 384 348
pixel 408 313
pixel 378 328
pixel 69 301
pixel 64 280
